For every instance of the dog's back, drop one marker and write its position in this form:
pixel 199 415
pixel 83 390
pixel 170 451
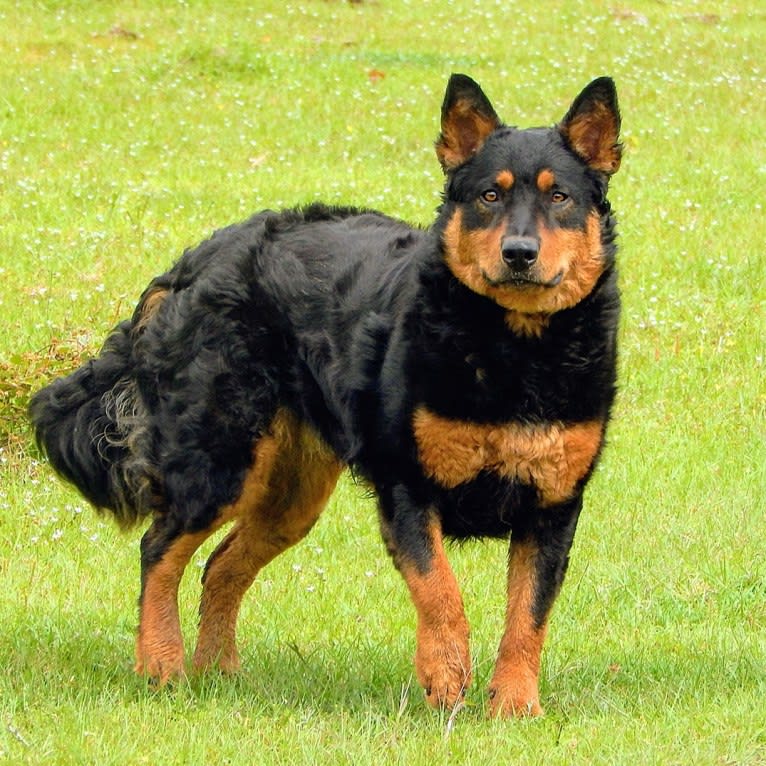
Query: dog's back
pixel 259 314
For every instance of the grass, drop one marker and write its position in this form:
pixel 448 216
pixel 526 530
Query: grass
pixel 129 131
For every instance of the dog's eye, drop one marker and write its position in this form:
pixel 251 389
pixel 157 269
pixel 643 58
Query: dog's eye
pixel 490 196
pixel 558 197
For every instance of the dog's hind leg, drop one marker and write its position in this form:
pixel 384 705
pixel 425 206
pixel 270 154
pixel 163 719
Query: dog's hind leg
pixel 165 552
pixel 414 540
pixel 292 477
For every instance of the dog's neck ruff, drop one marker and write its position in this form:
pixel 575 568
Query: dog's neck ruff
pixel 527 325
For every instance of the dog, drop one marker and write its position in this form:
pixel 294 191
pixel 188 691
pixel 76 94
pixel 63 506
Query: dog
pixel 467 371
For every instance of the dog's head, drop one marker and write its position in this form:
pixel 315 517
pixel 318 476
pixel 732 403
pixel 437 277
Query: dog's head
pixel 525 220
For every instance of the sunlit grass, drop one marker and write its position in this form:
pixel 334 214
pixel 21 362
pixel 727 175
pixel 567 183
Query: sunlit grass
pixel 129 131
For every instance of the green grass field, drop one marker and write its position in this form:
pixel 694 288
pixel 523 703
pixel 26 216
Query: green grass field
pixel 130 130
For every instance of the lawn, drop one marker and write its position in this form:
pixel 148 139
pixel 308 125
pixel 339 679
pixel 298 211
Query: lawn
pixel 131 130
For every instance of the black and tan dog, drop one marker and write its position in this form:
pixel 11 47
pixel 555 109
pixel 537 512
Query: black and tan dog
pixel 466 371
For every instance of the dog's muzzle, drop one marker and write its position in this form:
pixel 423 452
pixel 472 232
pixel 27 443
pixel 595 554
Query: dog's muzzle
pixel 520 253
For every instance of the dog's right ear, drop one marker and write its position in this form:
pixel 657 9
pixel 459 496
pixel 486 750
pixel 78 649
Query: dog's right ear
pixel 467 119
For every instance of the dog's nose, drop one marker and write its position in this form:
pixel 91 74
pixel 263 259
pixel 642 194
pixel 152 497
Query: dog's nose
pixel 519 253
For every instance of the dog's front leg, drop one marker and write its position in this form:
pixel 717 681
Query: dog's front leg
pixel 538 560
pixel 414 539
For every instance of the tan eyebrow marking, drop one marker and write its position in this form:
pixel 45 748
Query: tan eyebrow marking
pixel 505 179
pixel 545 180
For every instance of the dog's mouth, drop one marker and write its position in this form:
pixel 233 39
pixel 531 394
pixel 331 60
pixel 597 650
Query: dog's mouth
pixel 523 281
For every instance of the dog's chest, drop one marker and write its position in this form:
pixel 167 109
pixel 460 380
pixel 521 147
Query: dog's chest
pixel 552 457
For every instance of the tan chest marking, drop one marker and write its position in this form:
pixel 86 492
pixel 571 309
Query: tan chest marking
pixel 552 457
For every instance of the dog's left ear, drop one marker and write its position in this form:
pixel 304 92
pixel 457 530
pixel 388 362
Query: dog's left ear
pixel 467 119
pixel 592 126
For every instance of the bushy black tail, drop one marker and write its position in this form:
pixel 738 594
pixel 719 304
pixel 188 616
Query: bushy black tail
pixel 89 423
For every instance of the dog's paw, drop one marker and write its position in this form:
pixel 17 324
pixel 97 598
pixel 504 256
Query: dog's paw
pixel 514 699
pixel 160 664
pixel 443 668
pixel 212 658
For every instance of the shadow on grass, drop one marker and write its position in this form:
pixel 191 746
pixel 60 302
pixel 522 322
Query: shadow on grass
pixel 52 660
pixel 45 656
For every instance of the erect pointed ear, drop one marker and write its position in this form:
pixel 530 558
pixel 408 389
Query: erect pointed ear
pixel 467 119
pixel 592 126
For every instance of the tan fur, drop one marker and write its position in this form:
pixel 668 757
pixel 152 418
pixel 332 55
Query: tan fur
pixel 514 685
pixel 464 131
pixel 474 256
pixel 553 458
pixel 294 472
pixel 469 253
pixel 546 180
pixel 594 137
pixel 149 307
pixel 442 657
pixel 527 325
pixel 292 475
pixel 505 180
pixel 159 644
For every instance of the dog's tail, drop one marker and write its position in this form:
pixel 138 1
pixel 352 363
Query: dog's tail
pixel 92 427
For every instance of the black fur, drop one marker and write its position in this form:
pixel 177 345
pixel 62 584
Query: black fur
pixel 351 320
